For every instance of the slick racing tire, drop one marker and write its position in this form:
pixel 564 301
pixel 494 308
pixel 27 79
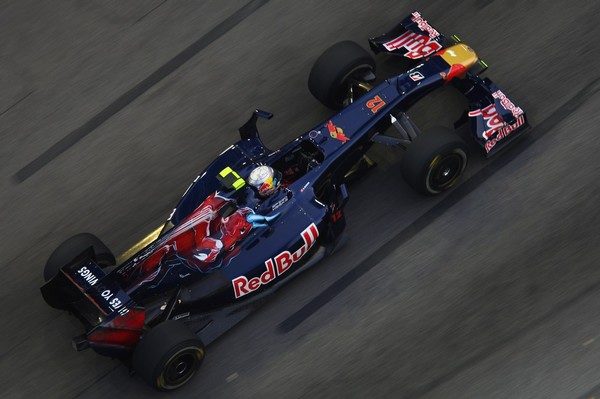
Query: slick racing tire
pixel 74 246
pixel 328 80
pixel 434 161
pixel 168 355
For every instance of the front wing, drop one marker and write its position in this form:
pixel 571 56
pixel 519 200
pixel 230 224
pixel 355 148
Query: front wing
pixel 495 120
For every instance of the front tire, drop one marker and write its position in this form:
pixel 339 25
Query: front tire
pixel 168 355
pixel 333 71
pixel 74 246
pixel 434 161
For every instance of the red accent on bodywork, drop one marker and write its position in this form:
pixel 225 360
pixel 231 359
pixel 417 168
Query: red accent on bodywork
pixel 337 215
pixel 122 330
pixel 111 336
pixel 132 320
pixel 456 71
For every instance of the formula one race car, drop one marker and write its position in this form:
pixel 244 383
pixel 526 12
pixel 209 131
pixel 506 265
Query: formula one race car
pixel 226 245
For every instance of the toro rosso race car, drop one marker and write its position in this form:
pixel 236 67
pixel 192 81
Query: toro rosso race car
pixel 256 217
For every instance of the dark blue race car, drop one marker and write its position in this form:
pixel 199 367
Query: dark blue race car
pixel 256 217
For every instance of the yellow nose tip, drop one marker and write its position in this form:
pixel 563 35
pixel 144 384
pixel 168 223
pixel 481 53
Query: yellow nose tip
pixel 459 54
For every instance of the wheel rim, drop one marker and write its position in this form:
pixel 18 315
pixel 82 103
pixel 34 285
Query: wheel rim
pixel 347 84
pixel 445 170
pixel 180 368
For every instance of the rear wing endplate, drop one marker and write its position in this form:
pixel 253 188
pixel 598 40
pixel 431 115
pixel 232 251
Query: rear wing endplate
pixel 82 282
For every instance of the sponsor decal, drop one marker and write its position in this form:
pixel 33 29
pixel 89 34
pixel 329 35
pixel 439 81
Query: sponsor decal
pixel 279 203
pixel 492 120
pixel 204 241
pixel 417 46
pixel 424 25
pixel 181 316
pixel 336 132
pixel 375 104
pixel 313 134
pixel 416 76
pixel 87 275
pixel 276 266
pixel 503 132
pixel 507 104
pixel 115 304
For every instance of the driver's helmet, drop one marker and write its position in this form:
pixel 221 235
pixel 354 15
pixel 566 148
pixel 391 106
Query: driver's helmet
pixel 265 180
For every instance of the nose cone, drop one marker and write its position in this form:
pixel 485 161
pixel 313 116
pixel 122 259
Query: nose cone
pixel 459 54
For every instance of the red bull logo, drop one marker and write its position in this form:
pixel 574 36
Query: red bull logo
pixel 492 120
pixel 276 266
pixel 504 132
pixel 336 132
pixel 417 46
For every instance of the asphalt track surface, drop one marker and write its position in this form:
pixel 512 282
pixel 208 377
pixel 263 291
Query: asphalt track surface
pixel 108 109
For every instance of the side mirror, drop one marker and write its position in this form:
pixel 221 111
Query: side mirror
pixel 263 114
pixel 248 129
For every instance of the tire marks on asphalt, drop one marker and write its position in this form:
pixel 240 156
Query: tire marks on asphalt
pixel 16 103
pixel 132 94
pixel 150 11
pixel 494 165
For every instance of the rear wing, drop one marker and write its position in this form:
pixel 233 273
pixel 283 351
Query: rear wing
pixel 112 320
pixel 495 120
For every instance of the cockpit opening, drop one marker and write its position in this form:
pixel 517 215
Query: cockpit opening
pixel 299 161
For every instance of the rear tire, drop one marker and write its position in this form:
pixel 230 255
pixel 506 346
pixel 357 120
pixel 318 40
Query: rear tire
pixel 168 355
pixel 74 246
pixel 329 77
pixel 434 161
